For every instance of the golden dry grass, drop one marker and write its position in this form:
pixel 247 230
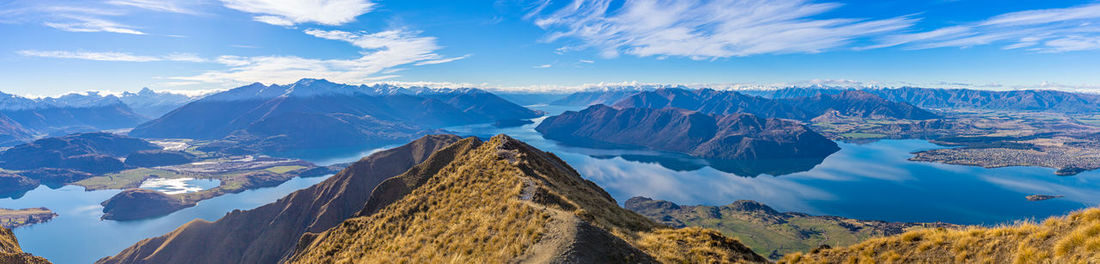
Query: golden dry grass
pixel 1074 238
pixel 475 210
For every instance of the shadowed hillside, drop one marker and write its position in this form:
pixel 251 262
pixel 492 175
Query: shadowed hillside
pixel 1074 238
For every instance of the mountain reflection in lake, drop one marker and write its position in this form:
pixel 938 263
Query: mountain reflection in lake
pixel 865 181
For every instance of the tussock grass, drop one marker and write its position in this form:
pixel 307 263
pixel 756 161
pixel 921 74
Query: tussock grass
pixel 1074 238
pixel 491 203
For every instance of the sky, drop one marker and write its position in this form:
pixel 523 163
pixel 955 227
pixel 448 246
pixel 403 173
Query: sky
pixel 53 47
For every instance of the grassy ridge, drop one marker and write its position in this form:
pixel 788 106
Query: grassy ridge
pixel 1074 238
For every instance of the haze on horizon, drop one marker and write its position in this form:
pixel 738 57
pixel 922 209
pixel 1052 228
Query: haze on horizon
pixel 54 47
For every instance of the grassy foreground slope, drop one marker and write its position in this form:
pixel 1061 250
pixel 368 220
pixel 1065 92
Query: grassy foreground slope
pixel 1074 238
pixel 769 232
pixel 505 201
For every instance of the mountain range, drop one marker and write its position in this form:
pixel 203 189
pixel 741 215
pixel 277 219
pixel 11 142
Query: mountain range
pixel 934 98
pixel 847 103
pixel 737 136
pixel 23 119
pixel 467 201
pixel 310 113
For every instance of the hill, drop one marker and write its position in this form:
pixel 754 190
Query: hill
pixel 720 137
pixel 1074 238
pixel 767 231
pixel 309 113
pixel 468 201
pixel 505 201
pixel 10 253
pixel 268 233
pixel 88 152
pixel 858 104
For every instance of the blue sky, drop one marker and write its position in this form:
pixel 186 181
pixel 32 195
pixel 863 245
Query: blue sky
pixel 52 47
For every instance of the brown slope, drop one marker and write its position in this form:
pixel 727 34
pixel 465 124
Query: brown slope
pixel 267 233
pixel 505 201
pixel 10 253
pixel 1074 238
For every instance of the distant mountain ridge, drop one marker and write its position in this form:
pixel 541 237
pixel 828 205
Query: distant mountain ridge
pixel 737 136
pixel 311 113
pixel 22 119
pixel 937 98
pixel 847 103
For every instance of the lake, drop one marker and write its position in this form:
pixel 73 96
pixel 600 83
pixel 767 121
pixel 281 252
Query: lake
pixel 864 181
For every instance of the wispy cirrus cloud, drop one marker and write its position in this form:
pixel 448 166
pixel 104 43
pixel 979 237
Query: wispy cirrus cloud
pixel 1044 30
pixel 88 24
pixel 381 53
pixel 109 56
pixel 155 5
pixel 706 29
pixel 291 12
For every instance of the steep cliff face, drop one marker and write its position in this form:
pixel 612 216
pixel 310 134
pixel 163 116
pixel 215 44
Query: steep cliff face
pixel 10 253
pixel 505 201
pixel 266 234
pixel 723 137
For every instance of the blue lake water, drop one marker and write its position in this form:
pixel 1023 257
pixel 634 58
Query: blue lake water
pixel 77 235
pixel 865 181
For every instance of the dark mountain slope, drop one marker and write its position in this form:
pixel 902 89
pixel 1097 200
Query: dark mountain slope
pixel 723 137
pixel 267 233
pixel 713 102
pixel 89 152
pixel 859 104
pixel 11 132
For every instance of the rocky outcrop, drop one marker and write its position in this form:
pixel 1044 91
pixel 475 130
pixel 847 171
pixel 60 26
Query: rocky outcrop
pixel 721 137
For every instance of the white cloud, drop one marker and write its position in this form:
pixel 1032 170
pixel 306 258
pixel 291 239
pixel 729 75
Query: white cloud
pixel 707 29
pixel 88 24
pixel 155 5
pixel 1044 30
pixel 544 66
pixel 382 51
pixel 588 61
pixel 290 12
pixel 110 56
